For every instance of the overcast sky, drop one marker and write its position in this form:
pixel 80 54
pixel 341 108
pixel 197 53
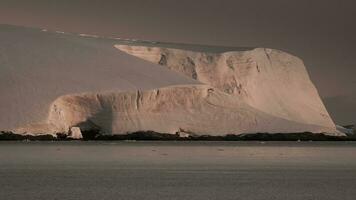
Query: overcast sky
pixel 321 32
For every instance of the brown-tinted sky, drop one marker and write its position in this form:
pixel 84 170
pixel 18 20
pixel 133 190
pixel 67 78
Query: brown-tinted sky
pixel 321 32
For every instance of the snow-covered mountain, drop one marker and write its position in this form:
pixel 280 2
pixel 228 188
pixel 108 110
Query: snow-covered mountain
pixel 52 81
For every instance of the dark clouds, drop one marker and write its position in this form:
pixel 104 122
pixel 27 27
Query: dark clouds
pixel 321 32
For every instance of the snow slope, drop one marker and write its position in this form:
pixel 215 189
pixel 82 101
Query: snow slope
pixel 37 67
pixel 193 109
pixel 52 81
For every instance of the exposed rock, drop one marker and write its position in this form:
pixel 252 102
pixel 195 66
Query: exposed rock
pixel 150 135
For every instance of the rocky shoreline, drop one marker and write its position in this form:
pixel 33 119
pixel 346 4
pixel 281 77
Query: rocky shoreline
pixel 154 136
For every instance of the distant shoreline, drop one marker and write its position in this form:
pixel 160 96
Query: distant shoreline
pixel 154 136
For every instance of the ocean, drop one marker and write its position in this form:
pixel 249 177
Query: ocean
pixel 83 170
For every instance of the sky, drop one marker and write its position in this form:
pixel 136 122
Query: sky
pixel 321 32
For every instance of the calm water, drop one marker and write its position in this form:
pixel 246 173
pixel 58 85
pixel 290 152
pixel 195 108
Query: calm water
pixel 177 170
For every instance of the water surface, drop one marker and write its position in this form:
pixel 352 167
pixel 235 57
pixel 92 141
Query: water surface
pixel 178 170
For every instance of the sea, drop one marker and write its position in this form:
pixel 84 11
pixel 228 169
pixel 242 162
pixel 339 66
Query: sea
pixel 192 170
